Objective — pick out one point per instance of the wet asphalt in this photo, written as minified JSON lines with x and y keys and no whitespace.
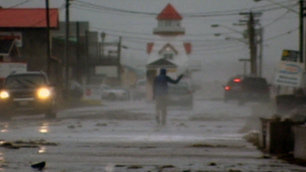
{"x":123,"y":136}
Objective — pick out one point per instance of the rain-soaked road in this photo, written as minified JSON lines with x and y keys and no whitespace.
{"x":122,"y":136}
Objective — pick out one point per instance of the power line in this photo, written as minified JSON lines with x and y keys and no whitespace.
{"x":19,"y":4}
{"x":276,"y":20}
{"x":283,"y":34}
{"x":99,"y":8}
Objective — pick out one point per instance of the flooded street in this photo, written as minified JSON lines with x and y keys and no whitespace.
{"x":123,"y":136}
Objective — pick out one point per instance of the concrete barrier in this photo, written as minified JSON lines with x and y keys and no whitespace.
{"x":277,"y":136}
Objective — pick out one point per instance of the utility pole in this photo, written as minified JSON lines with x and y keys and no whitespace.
{"x":66,"y":61}
{"x":119,"y":59}
{"x":252,"y":44}
{"x":260,"y":42}
{"x":301,"y":29}
{"x":253,"y":41}
{"x":48,"y":39}
{"x":102,"y":44}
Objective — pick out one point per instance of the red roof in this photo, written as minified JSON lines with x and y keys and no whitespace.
{"x":150,"y":47}
{"x":188,"y":47}
{"x":27,"y":18}
{"x":169,"y":13}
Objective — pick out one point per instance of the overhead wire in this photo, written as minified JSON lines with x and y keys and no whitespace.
{"x":18,"y":4}
{"x":281,"y":35}
{"x":100,"y":8}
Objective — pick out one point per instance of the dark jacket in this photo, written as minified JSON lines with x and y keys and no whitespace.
{"x":160,"y":85}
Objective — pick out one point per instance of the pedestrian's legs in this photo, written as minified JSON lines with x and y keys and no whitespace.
{"x":157,"y":110}
{"x":164,"y":110}
{"x":164,"y":115}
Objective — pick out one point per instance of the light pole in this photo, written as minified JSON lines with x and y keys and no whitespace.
{"x":48,"y":38}
{"x":67,"y":54}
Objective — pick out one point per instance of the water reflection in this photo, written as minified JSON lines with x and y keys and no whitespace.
{"x":4,"y":128}
{"x":1,"y":161}
{"x":44,"y":128}
{"x":42,"y":149}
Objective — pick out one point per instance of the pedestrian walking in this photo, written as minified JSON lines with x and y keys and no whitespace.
{"x":160,"y":93}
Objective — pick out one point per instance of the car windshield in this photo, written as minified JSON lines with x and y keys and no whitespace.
{"x":25,"y":81}
{"x":255,"y":83}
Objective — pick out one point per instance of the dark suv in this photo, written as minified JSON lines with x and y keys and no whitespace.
{"x":27,"y":93}
{"x":247,"y":88}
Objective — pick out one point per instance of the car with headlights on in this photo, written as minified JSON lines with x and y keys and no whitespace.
{"x":27,"y":93}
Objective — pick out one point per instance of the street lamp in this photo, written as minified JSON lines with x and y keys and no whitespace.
{"x":237,"y":39}
{"x":226,"y":27}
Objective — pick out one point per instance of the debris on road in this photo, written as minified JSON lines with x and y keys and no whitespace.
{"x":39,"y":166}
{"x":26,"y":144}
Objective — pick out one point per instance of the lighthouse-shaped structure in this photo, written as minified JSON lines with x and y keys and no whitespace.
{"x":170,"y":51}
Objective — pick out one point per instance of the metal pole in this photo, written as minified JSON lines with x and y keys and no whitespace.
{"x":78,"y":58}
{"x":102,"y":44}
{"x":244,"y":68}
{"x":119,"y":59}
{"x":301,"y":32}
{"x":48,"y":38}
{"x":260,"y":51}
{"x":67,"y":47}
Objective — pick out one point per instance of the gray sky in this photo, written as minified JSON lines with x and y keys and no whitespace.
{"x":219,"y":58}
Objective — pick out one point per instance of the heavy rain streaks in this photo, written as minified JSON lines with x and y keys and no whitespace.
{"x":82,"y":83}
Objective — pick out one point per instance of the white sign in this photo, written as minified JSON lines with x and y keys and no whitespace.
{"x":92,"y":92}
{"x":8,"y":68}
{"x":17,"y":36}
{"x":289,"y":74}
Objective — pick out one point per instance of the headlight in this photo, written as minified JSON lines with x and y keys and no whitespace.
{"x":4,"y":95}
{"x":43,"y":93}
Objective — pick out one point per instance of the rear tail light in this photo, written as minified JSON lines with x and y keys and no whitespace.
{"x":227,"y":88}
{"x":237,"y":80}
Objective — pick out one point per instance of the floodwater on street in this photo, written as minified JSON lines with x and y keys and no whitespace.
{"x":123,"y":136}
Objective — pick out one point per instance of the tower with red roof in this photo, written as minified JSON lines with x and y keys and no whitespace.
{"x":170,"y":51}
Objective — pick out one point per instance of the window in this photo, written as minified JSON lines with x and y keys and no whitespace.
{"x":168,"y":56}
{"x":168,"y":23}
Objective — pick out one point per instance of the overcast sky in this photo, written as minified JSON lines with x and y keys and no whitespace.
{"x":134,"y":20}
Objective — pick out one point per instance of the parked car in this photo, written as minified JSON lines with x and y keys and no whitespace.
{"x":27,"y":93}
{"x":114,"y":93}
{"x":75,"y":89}
{"x":180,"y":94}
{"x":247,"y":88}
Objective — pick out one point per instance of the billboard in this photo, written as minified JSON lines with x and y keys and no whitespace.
{"x":289,"y":74}
{"x":290,"y":56}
